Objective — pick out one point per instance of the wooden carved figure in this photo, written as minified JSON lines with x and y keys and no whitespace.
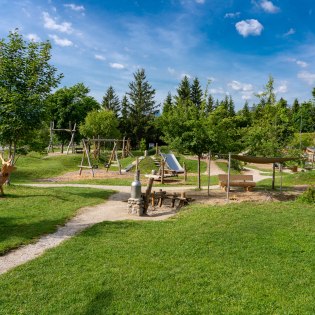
{"x":6,"y":170}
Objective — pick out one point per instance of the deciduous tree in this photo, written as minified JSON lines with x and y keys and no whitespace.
{"x":26,"y":79}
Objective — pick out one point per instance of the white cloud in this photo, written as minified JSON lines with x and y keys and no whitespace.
{"x":291,"y":31}
{"x":74,"y":7}
{"x":99,"y":57}
{"x":63,"y":42}
{"x":118,"y":66}
{"x":249,"y":27}
{"x":232,"y":15}
{"x":171,"y":70}
{"x":33,"y":37}
{"x":307,"y":77}
{"x":217,"y":91}
{"x":51,"y":24}
{"x":238,"y":86}
{"x":301,"y":63}
{"x":283,"y":88}
{"x":269,"y":7}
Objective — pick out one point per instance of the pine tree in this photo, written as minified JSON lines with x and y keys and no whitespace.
{"x":209,"y":105}
{"x":124,"y":119}
{"x":295,"y":106}
{"x":231,"y":108}
{"x":111,"y":101}
{"x":168,"y":103}
{"x":196,"y":94}
{"x":142,"y":107}
{"x":184,"y":90}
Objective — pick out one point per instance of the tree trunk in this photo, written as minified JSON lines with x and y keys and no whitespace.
{"x":273,"y":175}
{"x":62,"y":144}
{"x":199,"y":179}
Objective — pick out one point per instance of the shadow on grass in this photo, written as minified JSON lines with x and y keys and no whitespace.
{"x":99,"y":304}
{"x":23,"y":232}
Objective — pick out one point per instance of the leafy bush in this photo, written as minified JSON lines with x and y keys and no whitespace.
{"x":308,"y":196}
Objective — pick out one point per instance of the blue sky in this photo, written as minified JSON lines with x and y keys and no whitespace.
{"x":236,"y":44}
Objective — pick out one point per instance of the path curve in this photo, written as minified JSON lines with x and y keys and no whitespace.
{"x":114,"y":209}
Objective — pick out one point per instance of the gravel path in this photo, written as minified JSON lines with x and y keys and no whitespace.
{"x":114,"y":209}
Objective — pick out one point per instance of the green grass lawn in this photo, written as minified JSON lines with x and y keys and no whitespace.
{"x":34,"y":167}
{"x":289,"y":180}
{"x":192,"y":165}
{"x":27,"y":213}
{"x":235,"y":259}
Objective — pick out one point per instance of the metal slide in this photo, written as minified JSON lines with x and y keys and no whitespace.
{"x":172,"y":163}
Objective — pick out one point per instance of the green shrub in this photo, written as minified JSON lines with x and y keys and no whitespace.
{"x":308,"y":196}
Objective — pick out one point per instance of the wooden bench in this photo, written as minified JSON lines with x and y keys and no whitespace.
{"x":78,"y":150}
{"x":245,"y":181}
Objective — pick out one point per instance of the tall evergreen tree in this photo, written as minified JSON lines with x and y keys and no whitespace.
{"x":295,"y":106}
{"x":210,"y":105}
{"x":231,"y":108}
{"x":142,"y":107}
{"x":196,"y":94}
{"x":124,"y":125}
{"x":111,"y":101}
{"x":183,"y":90}
{"x":168,"y":103}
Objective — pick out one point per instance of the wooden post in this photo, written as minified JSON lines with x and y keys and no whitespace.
{"x":209,"y":161}
{"x":161,"y":198}
{"x":280,"y":177}
{"x":123,"y":149}
{"x":147,"y":194}
{"x":174,"y":199}
{"x":71,"y":143}
{"x":51,"y":141}
{"x":273,"y":175}
{"x":153,"y":199}
{"x":199,"y":183}
{"x":228,"y":182}
{"x":162,"y":171}
{"x":185,"y":172}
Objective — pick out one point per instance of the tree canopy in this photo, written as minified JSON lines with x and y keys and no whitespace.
{"x":26,"y":79}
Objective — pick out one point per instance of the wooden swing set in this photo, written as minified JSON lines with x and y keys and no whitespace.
{"x":71,"y":130}
{"x":86,"y":161}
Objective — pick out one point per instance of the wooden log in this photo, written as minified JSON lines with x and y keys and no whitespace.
{"x":147,"y":194}
{"x":153,"y":199}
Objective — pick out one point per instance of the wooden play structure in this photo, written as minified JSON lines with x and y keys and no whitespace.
{"x":71,"y":130}
{"x":6,"y":170}
{"x":168,"y":167}
{"x":90,"y":158}
{"x":158,"y":198}
{"x":245,"y":181}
